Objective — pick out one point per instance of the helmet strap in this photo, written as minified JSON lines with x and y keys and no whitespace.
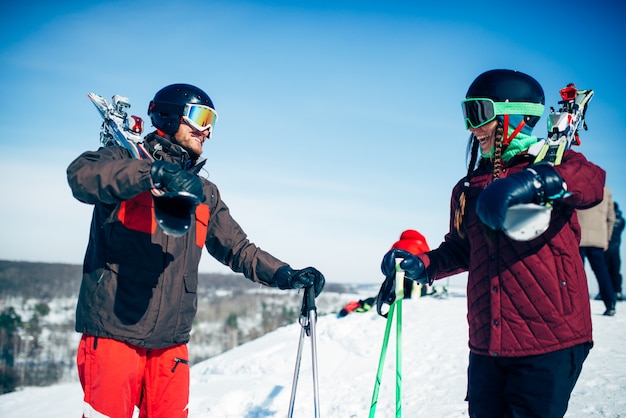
{"x":505,"y":130}
{"x":506,"y":138}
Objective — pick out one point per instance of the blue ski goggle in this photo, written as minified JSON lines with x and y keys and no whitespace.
{"x":199,"y":117}
{"x":479,"y":112}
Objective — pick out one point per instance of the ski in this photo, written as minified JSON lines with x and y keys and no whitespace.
{"x":117,"y":127}
{"x":564,"y":124}
{"x":525,"y":222}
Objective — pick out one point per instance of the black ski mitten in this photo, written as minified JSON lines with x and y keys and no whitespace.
{"x":412,"y":265}
{"x":173,"y":179}
{"x":537,"y":184}
{"x":288,"y":278}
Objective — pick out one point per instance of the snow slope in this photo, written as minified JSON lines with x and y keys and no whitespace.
{"x":254,"y":380}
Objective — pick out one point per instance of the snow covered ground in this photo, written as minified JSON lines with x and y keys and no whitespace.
{"x":254,"y":380}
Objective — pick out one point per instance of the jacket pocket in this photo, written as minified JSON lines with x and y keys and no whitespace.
{"x":191,"y":283}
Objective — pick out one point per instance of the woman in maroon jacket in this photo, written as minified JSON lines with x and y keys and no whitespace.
{"x":528,"y":303}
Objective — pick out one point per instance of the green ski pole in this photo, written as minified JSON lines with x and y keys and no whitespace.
{"x":399,"y":295}
{"x":381,"y":361}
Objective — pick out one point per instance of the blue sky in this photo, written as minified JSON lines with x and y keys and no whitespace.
{"x":339,"y":122}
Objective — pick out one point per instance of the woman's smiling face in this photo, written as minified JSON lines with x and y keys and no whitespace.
{"x":486,"y":136}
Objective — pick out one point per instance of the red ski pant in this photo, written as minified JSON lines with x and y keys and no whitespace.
{"x":117,"y":377}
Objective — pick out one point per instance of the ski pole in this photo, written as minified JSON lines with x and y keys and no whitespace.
{"x":381,"y":361}
{"x":296,"y":374}
{"x":399,"y":295}
{"x":312,"y":315}
{"x":308,"y":319}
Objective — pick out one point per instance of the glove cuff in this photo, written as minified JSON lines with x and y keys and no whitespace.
{"x":282,"y":277}
{"x":552,"y":185}
{"x":158,"y":171}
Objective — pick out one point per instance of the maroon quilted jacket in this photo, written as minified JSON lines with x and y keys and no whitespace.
{"x":524,"y":298}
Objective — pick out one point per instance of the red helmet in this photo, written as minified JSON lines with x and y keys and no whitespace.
{"x":412,"y":241}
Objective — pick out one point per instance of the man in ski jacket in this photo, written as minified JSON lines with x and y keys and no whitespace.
{"x":138,"y":296}
{"x":528,"y":304}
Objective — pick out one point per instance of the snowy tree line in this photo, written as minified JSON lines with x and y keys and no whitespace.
{"x":37,"y":303}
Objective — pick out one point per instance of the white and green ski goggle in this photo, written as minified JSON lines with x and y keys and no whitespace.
{"x":478,"y":112}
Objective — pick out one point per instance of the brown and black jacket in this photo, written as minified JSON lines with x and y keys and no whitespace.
{"x":139,"y":285}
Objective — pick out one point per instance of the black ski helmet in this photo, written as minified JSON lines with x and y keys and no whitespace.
{"x":508,"y":86}
{"x":166,"y":108}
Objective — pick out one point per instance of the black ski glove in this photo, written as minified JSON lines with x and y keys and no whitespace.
{"x":287,"y":278}
{"x":537,"y":184}
{"x":413,"y":267}
{"x":173,"y":179}
{"x":414,"y":270}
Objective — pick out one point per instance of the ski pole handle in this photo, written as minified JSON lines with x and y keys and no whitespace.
{"x":399,"y":280}
{"x":309,"y":300}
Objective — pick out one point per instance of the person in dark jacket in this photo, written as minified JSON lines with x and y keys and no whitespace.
{"x":596,"y":225}
{"x":138,"y":297}
{"x":612,"y":255}
{"x":528,"y":304}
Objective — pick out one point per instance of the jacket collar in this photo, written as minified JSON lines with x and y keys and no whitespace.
{"x":161,"y":148}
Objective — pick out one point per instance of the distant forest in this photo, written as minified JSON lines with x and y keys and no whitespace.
{"x":37,"y":351}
